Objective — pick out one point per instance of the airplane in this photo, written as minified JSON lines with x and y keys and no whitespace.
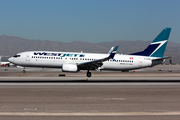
{"x":74,"y":61}
{"x":6,"y":64}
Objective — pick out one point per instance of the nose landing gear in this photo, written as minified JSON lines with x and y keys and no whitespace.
{"x":24,"y":71}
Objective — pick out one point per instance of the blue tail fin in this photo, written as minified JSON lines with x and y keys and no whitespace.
{"x":157,"y":46}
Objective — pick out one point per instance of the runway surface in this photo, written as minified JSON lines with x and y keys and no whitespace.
{"x":90,"y":102}
{"x":127,"y":96}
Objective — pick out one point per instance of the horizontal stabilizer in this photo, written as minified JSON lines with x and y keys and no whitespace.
{"x":166,"y":57}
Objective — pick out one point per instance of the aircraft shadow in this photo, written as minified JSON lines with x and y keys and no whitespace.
{"x":88,"y":81}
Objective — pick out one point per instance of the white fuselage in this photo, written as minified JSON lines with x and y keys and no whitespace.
{"x":50,"y":59}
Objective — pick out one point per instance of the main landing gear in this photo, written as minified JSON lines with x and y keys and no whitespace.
{"x":88,"y":74}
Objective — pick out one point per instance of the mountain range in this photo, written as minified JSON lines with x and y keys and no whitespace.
{"x":10,"y":45}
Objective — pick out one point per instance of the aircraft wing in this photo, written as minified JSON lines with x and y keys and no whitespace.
{"x":98,"y":63}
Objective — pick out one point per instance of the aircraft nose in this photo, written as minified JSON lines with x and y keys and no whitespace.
{"x":11,"y":59}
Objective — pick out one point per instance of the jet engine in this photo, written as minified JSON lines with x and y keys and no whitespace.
{"x":70,"y":68}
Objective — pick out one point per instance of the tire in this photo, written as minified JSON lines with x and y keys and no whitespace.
{"x":23,"y":71}
{"x":88,"y":74}
{"x":7,"y":65}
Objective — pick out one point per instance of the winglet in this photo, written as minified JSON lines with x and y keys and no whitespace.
{"x":110,"y":51}
{"x":112,"y":54}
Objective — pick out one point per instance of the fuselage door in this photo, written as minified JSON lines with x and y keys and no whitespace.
{"x":140,"y":61}
{"x":27,"y":57}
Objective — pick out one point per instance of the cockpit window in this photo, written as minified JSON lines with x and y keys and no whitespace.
{"x":16,"y":56}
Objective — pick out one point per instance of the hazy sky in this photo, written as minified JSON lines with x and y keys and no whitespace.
{"x":89,"y":20}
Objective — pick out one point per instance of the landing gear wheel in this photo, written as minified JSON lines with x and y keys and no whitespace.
{"x":7,"y":65}
{"x":88,"y":74}
{"x":23,"y":71}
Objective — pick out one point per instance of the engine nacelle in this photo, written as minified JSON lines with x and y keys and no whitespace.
{"x":70,"y":68}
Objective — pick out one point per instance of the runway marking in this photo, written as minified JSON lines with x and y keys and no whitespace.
{"x":30,"y":108}
{"x":114,"y":99}
{"x":90,"y":114}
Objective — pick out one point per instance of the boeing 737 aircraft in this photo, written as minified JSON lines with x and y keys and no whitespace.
{"x":74,"y":62}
